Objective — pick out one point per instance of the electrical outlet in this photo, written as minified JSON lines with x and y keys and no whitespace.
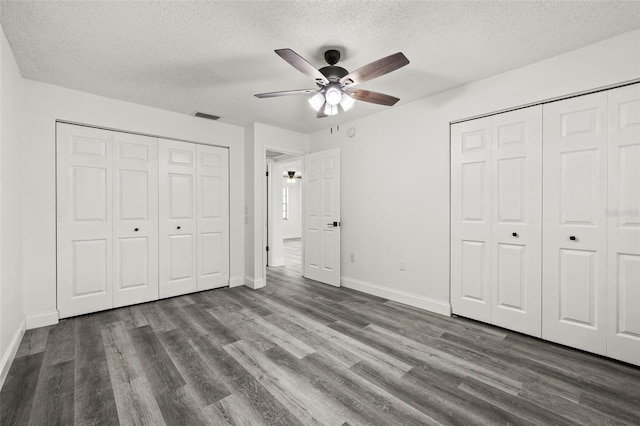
{"x":402,"y":264}
{"x":352,"y":257}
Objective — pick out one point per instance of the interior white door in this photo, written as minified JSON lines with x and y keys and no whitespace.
{"x":212,"y":216}
{"x":322,"y":217}
{"x":574,"y":222}
{"x":471,"y":219}
{"x":84,"y":219}
{"x":516,"y":193}
{"x":177,"y":218}
{"x":623,"y":337}
{"x":135,"y":221}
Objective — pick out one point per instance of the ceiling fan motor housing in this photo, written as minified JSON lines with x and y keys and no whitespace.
{"x":333,"y":72}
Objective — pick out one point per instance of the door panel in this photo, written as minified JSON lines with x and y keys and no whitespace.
{"x":575,"y":232}
{"x":177,"y":221}
{"x":322,"y":210}
{"x":516,"y":159}
{"x":623,"y":211}
{"x":471,"y":219}
{"x":90,"y":262}
{"x":135,"y":224}
{"x":84,"y":220}
{"x":212,"y":217}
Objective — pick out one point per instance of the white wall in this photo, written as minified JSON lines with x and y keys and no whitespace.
{"x":276,"y":139}
{"x":11,"y":114}
{"x":395,"y":170}
{"x":45,"y":104}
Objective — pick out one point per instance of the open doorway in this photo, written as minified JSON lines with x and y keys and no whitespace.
{"x":284,"y":195}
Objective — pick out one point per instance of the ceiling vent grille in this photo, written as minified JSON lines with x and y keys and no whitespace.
{"x":204,"y":115}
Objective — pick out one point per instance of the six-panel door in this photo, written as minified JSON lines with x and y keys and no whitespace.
{"x":516,"y":194}
{"x":84,"y":219}
{"x":177,"y":217}
{"x":623,"y":215}
{"x":575,"y":225}
{"x":322,"y":217}
{"x":135,"y":219}
{"x":471,"y":219}
{"x":212,"y":216}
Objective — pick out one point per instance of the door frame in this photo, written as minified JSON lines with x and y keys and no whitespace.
{"x":264,"y":188}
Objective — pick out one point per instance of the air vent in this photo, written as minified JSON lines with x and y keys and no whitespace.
{"x":204,"y":115}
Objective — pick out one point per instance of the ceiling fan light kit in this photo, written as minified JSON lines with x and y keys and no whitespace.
{"x":335,"y":83}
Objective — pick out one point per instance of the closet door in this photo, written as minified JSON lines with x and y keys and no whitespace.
{"x":516,"y":193}
{"x":177,"y":216}
{"x":212,"y":216}
{"x":623,"y":337}
{"x":471,"y":219}
{"x":574,"y":222}
{"x":84,"y":219}
{"x":135,"y":222}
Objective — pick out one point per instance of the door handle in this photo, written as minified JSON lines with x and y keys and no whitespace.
{"x":136,"y":230}
{"x":515,"y":234}
{"x":334,"y":224}
{"x":573,"y":238}
{"x":178,"y":227}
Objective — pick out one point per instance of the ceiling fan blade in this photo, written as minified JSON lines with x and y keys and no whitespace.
{"x":321,"y":113}
{"x":372,"y":97}
{"x":286,"y":93}
{"x":375,"y":69}
{"x":301,"y":64}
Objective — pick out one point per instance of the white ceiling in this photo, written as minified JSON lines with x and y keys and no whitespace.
{"x":214,"y":56}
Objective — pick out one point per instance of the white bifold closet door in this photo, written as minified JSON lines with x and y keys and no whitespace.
{"x":135,"y":219}
{"x":623,"y":317}
{"x":194,"y":217}
{"x":212,"y":217}
{"x":471,"y":219}
{"x":106,"y":226}
{"x":496,"y":218}
{"x":575,"y":222}
{"x":517,"y":219}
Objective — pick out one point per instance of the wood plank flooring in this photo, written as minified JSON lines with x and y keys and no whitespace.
{"x":298,"y":353}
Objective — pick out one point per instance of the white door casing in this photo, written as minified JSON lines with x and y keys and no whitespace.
{"x":574,"y":222}
{"x":623,"y":211}
{"x":135,"y":218}
{"x":516,"y":193}
{"x":471,"y":219}
{"x":84,"y":219}
{"x":177,"y":218}
{"x":212,"y":217}
{"x":322,"y":217}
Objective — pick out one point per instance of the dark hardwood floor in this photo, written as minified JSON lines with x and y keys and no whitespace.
{"x":298,"y":352}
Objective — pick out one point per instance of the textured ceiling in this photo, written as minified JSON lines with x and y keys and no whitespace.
{"x":185,"y":56}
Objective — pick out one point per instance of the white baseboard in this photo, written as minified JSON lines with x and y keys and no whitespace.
{"x":42,"y":319}
{"x":10,"y":353}
{"x":277,"y":262}
{"x":253,"y":283}
{"x":236,"y":281}
{"x":431,"y":305}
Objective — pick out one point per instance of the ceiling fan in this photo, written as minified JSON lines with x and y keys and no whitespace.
{"x":335,"y":84}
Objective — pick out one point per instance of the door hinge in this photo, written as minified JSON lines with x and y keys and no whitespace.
{"x":267,"y":174}
{"x":267,"y":248}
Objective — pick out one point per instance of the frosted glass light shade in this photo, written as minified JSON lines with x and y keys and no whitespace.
{"x":330,"y":109}
{"x":316,"y":101}
{"x":347,"y":102}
